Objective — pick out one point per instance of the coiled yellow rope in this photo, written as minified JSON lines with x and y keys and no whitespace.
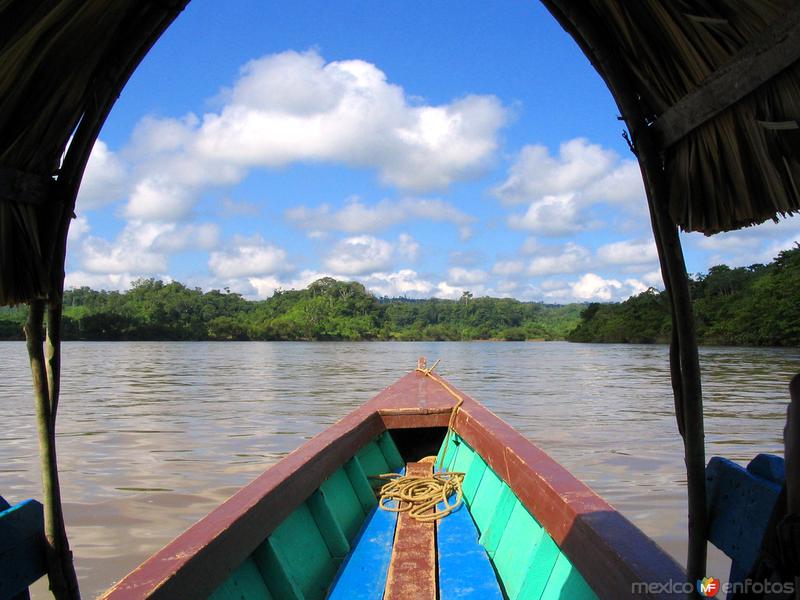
{"x":419,"y":496}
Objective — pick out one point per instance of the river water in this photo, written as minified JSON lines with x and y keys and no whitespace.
{"x":153,"y":435}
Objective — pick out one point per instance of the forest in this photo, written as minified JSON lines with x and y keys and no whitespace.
{"x":326,"y":310}
{"x":757,"y":305}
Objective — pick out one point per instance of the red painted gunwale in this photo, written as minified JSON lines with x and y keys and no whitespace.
{"x":608,"y":550}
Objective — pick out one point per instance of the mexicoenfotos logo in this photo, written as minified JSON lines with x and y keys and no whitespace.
{"x":708,"y":586}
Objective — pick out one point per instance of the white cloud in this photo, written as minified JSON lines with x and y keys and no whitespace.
{"x":552,"y":215}
{"x":569,"y":259}
{"x":104,"y":179}
{"x":461,"y":276}
{"x":594,"y":287}
{"x":112,"y":281}
{"x":293,"y":107}
{"x":560,"y":190}
{"x":247,"y":257}
{"x":581,"y":168}
{"x":159,"y":199}
{"x":590,"y":287}
{"x":265,"y":286}
{"x":405,"y":282}
{"x":628,"y":252}
{"x":744,"y":247}
{"x":143,"y":248}
{"x":623,"y":184}
{"x":130,"y":253}
{"x":508,"y":267}
{"x":357,"y":217}
{"x":364,"y":254}
{"x":448,"y":292}
{"x":174,"y":238}
{"x":359,"y":255}
{"x":653,"y":279}
{"x":78,"y":229}
{"x":407,"y":247}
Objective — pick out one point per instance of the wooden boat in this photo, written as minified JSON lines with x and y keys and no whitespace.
{"x":309,"y":527}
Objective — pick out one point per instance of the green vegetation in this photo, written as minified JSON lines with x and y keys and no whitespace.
{"x":757,"y":305}
{"x":327,"y":310}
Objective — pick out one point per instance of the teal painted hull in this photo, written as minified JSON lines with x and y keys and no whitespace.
{"x":301,"y":558}
{"x":308,"y":527}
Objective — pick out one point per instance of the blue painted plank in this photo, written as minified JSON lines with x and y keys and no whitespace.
{"x":464,"y":567}
{"x":363,"y":574}
{"x":21,"y":547}
{"x":3,"y":504}
{"x":739,"y":506}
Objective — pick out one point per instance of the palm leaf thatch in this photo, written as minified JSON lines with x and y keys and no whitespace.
{"x":48,"y":60}
{"x":62,"y":64}
{"x":741,"y":167}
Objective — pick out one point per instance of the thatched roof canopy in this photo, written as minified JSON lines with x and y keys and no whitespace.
{"x":716,"y":81}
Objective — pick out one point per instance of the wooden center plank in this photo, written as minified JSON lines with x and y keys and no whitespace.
{"x":412,"y":570}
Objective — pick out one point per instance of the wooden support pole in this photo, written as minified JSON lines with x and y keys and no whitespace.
{"x":45,"y":369}
{"x":146,"y":24}
{"x":684,"y":358}
{"x":686,"y":382}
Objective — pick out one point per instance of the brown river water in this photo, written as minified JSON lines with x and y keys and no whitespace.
{"x":153,"y":435}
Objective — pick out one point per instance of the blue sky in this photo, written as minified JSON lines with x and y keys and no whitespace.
{"x":422,"y":148}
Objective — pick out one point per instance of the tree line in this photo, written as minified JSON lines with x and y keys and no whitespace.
{"x":757,"y":305}
{"x":326,"y":310}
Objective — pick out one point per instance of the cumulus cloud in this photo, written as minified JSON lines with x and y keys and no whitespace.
{"x":591,"y":287}
{"x":264,"y":286}
{"x":104,"y":179}
{"x":364,"y":254}
{"x":402,"y":283}
{"x":551,"y":216}
{"x":581,"y":168}
{"x":78,"y":229}
{"x":560,"y":190}
{"x":357,"y":217}
{"x":462,"y":276}
{"x":628,"y":252}
{"x":569,"y":259}
{"x":143,"y":248}
{"x":447,"y":291}
{"x":742,"y":248}
{"x":293,"y":107}
{"x":407,"y":247}
{"x":247,"y":257}
{"x":97,"y":281}
{"x":508,"y":267}
{"x":359,"y":255}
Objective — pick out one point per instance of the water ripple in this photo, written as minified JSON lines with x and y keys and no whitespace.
{"x":154,"y":435}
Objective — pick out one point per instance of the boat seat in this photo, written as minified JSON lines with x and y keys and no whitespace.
{"x":740,"y":502}
{"x":22,"y":547}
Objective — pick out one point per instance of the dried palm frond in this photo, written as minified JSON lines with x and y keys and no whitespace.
{"x":737,"y":169}
{"x":47,"y":62}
